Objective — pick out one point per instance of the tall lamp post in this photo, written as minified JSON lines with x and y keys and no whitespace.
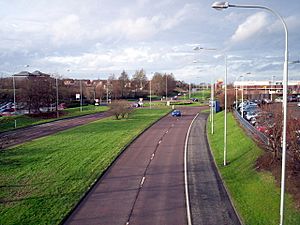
{"x":272,"y":87}
{"x":166,"y":87}
{"x":225,"y":114}
{"x":150,"y":92}
{"x":242,"y":86}
{"x":211,"y":91}
{"x":80,"y":95}
{"x":225,"y":5}
{"x":236,"y":92}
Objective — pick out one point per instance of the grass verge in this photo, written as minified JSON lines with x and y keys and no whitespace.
{"x":8,"y":123}
{"x":254,"y":194}
{"x":42,"y":180}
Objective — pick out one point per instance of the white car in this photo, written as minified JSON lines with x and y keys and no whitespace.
{"x":298,"y":104}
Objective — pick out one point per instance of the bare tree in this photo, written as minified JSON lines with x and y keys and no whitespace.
{"x":124,"y":84}
{"x":120,"y":108}
{"x":270,"y":119}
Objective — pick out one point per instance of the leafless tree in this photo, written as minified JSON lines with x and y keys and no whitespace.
{"x":120,"y":108}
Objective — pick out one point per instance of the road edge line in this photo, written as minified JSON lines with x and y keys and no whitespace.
{"x":187,"y":199}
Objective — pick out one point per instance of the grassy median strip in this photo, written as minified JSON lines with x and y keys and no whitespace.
{"x":255,"y":194}
{"x":8,"y":122}
{"x":42,"y":180}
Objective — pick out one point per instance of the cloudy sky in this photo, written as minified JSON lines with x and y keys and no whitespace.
{"x":95,"y":38}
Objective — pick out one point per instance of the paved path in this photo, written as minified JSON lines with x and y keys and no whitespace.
{"x":209,"y":202}
{"x":146,"y":183}
{"x":21,"y":135}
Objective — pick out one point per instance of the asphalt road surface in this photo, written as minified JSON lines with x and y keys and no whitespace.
{"x":21,"y":135}
{"x":145,"y":185}
{"x":209,"y":201}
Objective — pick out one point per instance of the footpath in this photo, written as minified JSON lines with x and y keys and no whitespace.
{"x":209,"y":201}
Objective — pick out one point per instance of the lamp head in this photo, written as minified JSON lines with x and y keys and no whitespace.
{"x":197,"y":48}
{"x":220,"y":5}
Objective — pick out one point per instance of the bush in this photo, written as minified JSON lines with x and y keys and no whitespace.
{"x":120,"y":108}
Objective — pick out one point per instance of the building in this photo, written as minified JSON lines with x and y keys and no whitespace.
{"x":267,"y":88}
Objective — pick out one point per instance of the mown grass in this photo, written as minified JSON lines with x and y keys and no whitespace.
{"x":8,"y":123}
{"x":42,"y":180}
{"x":255,"y":194}
{"x":202,"y":95}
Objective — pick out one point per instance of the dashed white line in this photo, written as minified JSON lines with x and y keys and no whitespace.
{"x":152,"y":156}
{"x":142,"y":182}
{"x":159,"y":142}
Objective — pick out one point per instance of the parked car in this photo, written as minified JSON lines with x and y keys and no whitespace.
{"x":279,"y":99}
{"x":292,"y":98}
{"x":176,"y":113}
{"x":251,"y":114}
{"x":266,"y":101}
{"x":298,"y":104}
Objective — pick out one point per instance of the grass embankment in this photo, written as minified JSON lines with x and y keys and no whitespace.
{"x":8,"y":122}
{"x":255,"y":194}
{"x":42,"y":180}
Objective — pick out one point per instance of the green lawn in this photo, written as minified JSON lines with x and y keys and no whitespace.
{"x":8,"y":123}
{"x":202,"y":95}
{"x":42,"y":180}
{"x":254,"y":193}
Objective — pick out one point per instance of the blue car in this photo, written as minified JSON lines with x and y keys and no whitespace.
{"x":176,"y":113}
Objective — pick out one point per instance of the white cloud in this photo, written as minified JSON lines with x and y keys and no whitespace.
{"x":250,"y":27}
{"x":67,"y":29}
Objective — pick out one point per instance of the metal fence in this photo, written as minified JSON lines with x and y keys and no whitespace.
{"x":251,"y":129}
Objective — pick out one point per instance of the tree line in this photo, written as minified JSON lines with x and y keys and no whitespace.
{"x":36,"y":91}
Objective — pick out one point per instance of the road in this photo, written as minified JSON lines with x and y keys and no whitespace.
{"x":209,"y":200}
{"x":145,"y":185}
{"x":18,"y":136}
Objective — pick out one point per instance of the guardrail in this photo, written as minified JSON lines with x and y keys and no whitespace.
{"x":257,"y":134}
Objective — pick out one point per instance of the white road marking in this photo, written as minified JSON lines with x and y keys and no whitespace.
{"x":187,"y":199}
{"x":152,"y":156}
{"x":159,"y":142}
{"x":142,"y":182}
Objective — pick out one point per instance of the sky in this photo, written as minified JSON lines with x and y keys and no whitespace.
{"x":93,"y":39}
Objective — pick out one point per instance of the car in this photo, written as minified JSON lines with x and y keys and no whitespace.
{"x":279,"y":99}
{"x":266,"y":101}
{"x":251,"y":114}
{"x":176,"y":113}
{"x":298,"y":104}
{"x":292,"y":98}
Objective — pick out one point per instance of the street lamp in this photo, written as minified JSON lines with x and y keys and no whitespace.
{"x":242,"y":86}
{"x":236,"y":93}
{"x":166,"y":87}
{"x":225,"y":113}
{"x":80,"y":95}
{"x":151,"y":92}
{"x":272,"y":88}
{"x":225,"y":5}
{"x":211,"y":90}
